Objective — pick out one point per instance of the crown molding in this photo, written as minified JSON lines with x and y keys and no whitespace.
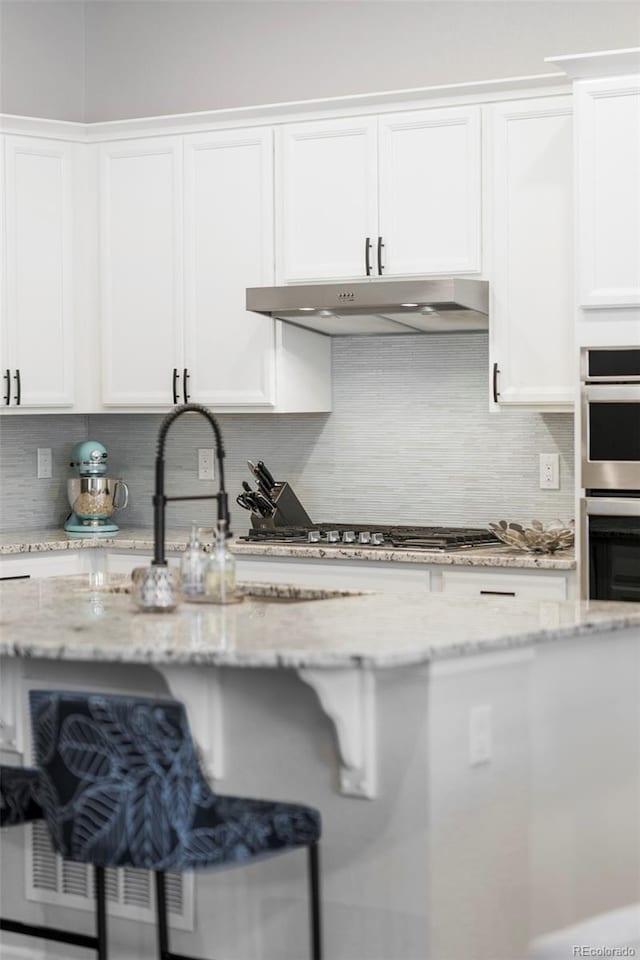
{"x":483,"y":91}
{"x":603,"y":63}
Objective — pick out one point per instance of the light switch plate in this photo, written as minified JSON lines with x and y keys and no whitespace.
{"x":45,"y":463}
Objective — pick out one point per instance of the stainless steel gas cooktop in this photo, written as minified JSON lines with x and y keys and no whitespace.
{"x":375,"y":535}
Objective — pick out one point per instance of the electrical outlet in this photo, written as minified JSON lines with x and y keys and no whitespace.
{"x":480,"y":735}
{"x":45,"y":463}
{"x":205,"y":464}
{"x":549,"y":471}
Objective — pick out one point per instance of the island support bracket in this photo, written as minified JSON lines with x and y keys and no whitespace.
{"x":201,"y":690}
{"x":347,"y":696}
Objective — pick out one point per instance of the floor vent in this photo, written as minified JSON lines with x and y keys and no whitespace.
{"x":62,"y":883}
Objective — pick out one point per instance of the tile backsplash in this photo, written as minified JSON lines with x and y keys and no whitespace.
{"x":25,"y":501}
{"x":410,"y":440}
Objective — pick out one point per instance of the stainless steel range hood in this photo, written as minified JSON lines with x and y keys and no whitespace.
{"x":438,"y":305}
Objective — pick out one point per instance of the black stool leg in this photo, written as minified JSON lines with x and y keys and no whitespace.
{"x":161,"y":917}
{"x":314,"y":902}
{"x":101,"y":913}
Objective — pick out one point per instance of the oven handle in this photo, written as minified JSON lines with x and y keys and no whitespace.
{"x":613,"y":506}
{"x":612,"y":392}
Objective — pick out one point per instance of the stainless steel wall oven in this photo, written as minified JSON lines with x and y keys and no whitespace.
{"x":611,"y":419}
{"x":611,"y":548}
{"x":610,"y":473}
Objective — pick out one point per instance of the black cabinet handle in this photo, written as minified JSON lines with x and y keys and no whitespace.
{"x":185,"y":381}
{"x":367,"y":255}
{"x":380,"y":266}
{"x":7,"y":396}
{"x":497,"y":593}
{"x":18,"y":388}
{"x":496,"y":393}
{"x":175,"y":384}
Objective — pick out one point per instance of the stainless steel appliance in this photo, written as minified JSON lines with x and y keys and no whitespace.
{"x":610,"y":553}
{"x":375,"y":535}
{"x":436,"y":305}
{"x":610,"y":473}
{"x":284,"y":520}
{"x":610,"y":418}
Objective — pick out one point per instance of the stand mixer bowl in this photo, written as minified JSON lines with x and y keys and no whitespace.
{"x":96,"y":498}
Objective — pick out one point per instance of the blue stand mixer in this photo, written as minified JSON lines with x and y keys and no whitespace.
{"x":93,"y":497}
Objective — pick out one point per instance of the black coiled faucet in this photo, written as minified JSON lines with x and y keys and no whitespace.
{"x":160,"y":500}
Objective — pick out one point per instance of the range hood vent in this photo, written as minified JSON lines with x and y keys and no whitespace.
{"x":378,"y":308}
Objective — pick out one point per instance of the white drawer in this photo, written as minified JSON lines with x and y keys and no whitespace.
{"x":336,"y":574}
{"x":54,"y":564}
{"x":532,"y":586}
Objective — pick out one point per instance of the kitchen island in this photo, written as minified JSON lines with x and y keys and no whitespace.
{"x":475,"y":761}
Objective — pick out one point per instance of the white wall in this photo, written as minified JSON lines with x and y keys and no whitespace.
{"x":147,"y":58}
{"x":42,"y":48}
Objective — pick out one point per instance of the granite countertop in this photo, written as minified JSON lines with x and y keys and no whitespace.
{"x":64,"y":618}
{"x":136,"y":538}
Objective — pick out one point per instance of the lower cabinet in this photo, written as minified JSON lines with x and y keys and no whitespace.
{"x":374,"y":575}
{"x":350,"y":575}
{"x":523,"y":585}
{"x":401,"y":578}
{"x":28,"y":566}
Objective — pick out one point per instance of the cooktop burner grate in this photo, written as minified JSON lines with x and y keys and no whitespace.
{"x":375,"y":535}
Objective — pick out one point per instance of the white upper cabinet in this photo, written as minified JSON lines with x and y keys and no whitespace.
{"x":340,"y":215}
{"x":531,"y":312}
{"x":141,"y":271}
{"x":326,"y":199}
{"x":186,"y":225}
{"x":608,"y":190}
{"x":429,"y":191}
{"x":229,"y":353}
{"x":37,"y":332}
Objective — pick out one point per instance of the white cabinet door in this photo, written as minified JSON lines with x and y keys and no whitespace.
{"x":38,"y":323}
{"x":326,"y":199}
{"x":430,"y":191}
{"x":5,"y":371}
{"x":230,"y":353}
{"x":330,"y":574}
{"x":141,"y":267}
{"x":65,"y":563}
{"x":531,"y":313}
{"x":608,"y":167}
{"x":479,"y":583}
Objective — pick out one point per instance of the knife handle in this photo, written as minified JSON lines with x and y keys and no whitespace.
{"x":266,"y":473}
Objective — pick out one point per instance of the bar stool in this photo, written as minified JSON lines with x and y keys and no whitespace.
{"x":20,"y":802}
{"x":121,"y":786}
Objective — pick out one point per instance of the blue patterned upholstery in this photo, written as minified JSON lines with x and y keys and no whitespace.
{"x":121,"y":786}
{"x":19,"y":795}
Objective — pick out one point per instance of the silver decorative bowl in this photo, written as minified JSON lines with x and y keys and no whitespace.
{"x":534,"y":536}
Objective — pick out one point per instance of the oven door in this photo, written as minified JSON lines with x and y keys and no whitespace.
{"x":611,"y":548}
{"x":611,"y":436}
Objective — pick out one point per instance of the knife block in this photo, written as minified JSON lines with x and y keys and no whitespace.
{"x":289,"y":511}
